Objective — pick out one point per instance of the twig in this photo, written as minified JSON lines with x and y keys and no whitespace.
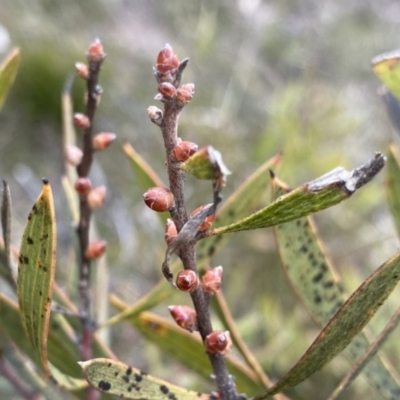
{"x":95,"y":58}
{"x":169,"y":129}
{"x":13,"y":377}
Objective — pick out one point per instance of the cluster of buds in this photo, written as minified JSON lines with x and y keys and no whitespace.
{"x":168,"y":71}
{"x":74,"y":156}
{"x":218,"y":342}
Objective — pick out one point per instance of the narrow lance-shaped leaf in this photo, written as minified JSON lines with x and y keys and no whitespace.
{"x":119,"y":379}
{"x":314,"y":280}
{"x":392,"y":183}
{"x":324,"y":192}
{"x":8,"y":72}
{"x":387,"y":67}
{"x":36,"y":271}
{"x":190,"y":351}
{"x":347,"y":322}
{"x":5,"y":267}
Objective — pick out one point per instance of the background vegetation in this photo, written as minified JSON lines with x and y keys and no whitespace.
{"x":282,"y":76}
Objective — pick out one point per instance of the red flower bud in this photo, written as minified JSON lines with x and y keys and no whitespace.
{"x":207,"y":221}
{"x":168,"y":90}
{"x":185,"y":93}
{"x":73,"y":155}
{"x":96,"y":197}
{"x":218,"y":342}
{"x":103,"y":140}
{"x":166,"y":60}
{"x":211,"y":280}
{"x":159,"y":199}
{"x":81,"y":121}
{"x":184,"y":316}
{"x":96,"y":52}
{"x":83,"y":186}
{"x":170,"y":232}
{"x":95,"y":250}
{"x":82,"y":70}
{"x":182,"y":151}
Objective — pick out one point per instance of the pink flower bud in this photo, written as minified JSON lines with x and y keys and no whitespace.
{"x":95,"y":250}
{"x":82,"y":70}
{"x":159,"y":199}
{"x":182,"y":151}
{"x":96,"y":52}
{"x":187,"y":280}
{"x":211,"y":280}
{"x":168,"y":90}
{"x":81,"y":121}
{"x":170,"y":232}
{"x":208,"y":221}
{"x":184,"y":316}
{"x":218,"y":342}
{"x":185,"y":93}
{"x":83,"y":186}
{"x":103,"y":140}
{"x":73,"y":155}
{"x":96,"y":197}
{"x":166,"y":60}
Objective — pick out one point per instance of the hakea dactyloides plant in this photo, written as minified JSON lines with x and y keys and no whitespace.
{"x":191,"y":339}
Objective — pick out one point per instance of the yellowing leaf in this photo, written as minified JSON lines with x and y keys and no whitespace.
{"x":8,"y":72}
{"x":119,"y":379}
{"x":36,"y":272}
{"x":387,"y":67}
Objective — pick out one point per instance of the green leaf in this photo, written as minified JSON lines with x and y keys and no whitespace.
{"x":324,"y":192}
{"x":119,"y":379}
{"x":347,"y":322}
{"x":392,"y":183}
{"x":244,"y":199}
{"x":36,"y":271}
{"x":8,"y":72}
{"x":315,"y":282}
{"x":6,"y":226}
{"x":387,"y":67}
{"x":190,"y":351}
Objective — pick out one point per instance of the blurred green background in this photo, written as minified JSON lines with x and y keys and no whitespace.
{"x":279,"y":76}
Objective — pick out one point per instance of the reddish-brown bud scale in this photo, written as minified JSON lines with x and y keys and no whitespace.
{"x":168,"y":90}
{"x":103,"y":140}
{"x":95,"y":250}
{"x":218,"y":342}
{"x":83,"y":186}
{"x":208,"y":221}
{"x":182,"y":151}
{"x":73,"y":155}
{"x":184,"y":316}
{"x":211,"y":280}
{"x":96,"y":52}
{"x":167,"y":60}
{"x":159,"y":199}
{"x":82,"y":70}
{"x":81,"y":121}
{"x":185,"y":93}
{"x":96,"y":197}
{"x":187,"y":280}
{"x":170,"y":232}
